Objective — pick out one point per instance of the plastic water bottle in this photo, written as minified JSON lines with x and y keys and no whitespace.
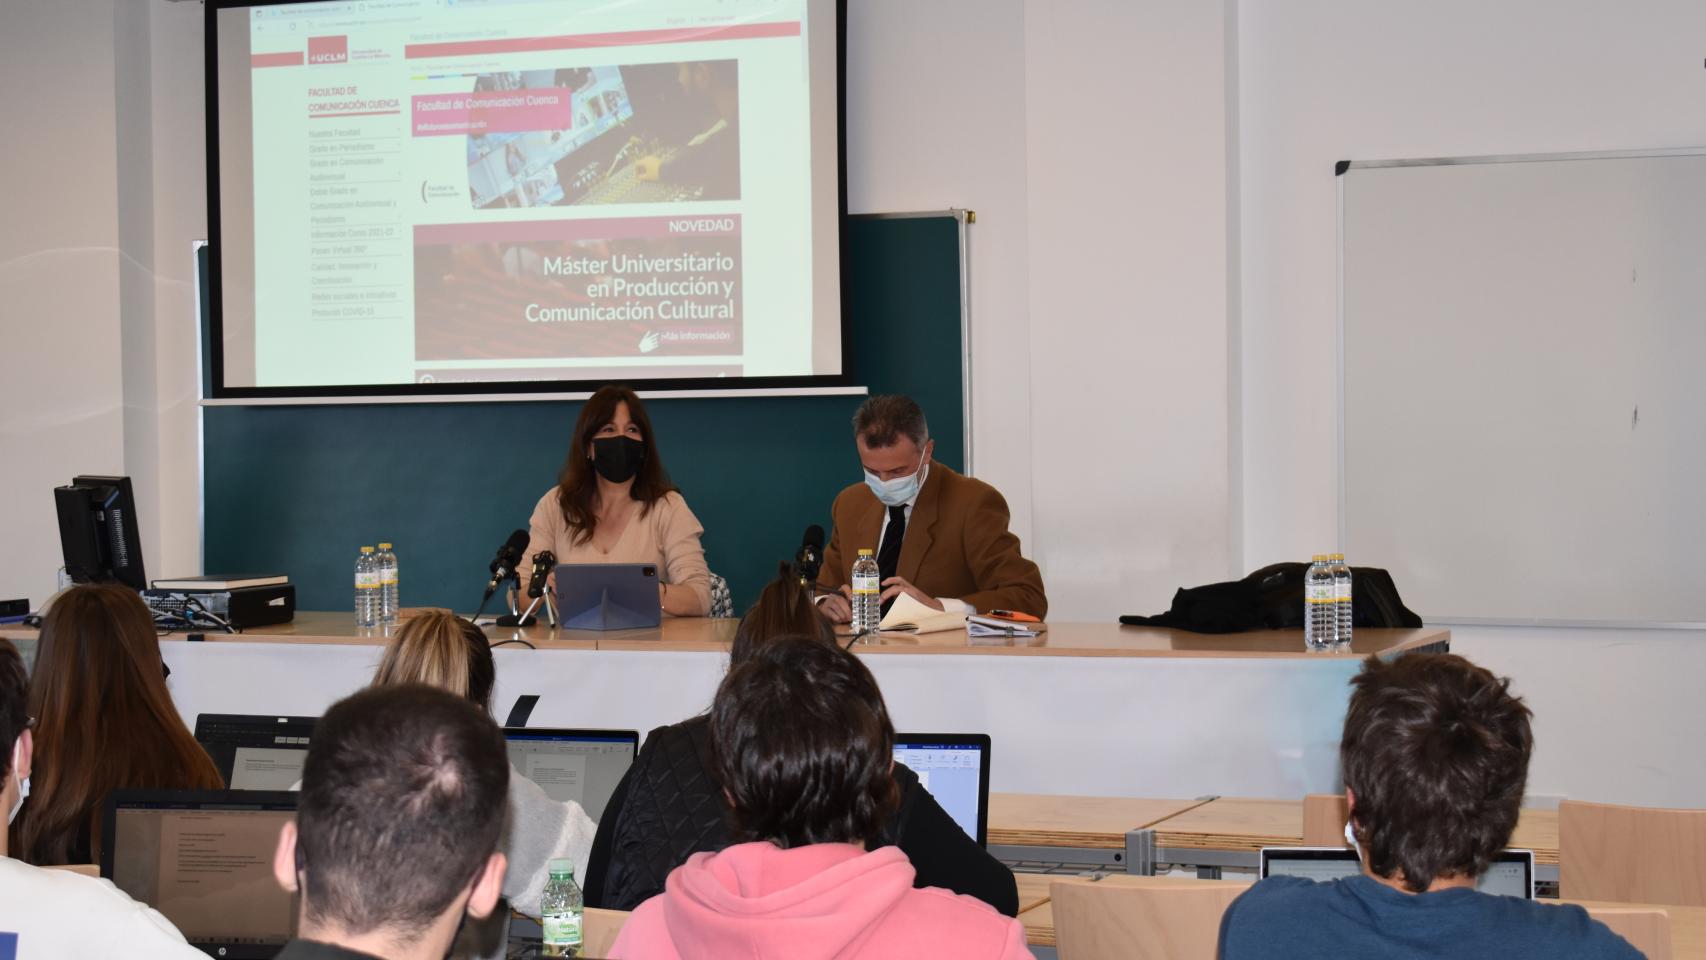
{"x":867,"y":588}
{"x":387,"y":559}
{"x":1341,"y":602}
{"x":1320,"y":607}
{"x":366,"y":588}
{"x":560,"y":911}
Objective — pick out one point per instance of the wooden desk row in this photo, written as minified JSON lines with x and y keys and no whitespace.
{"x":694,"y":634}
{"x":1134,"y":835}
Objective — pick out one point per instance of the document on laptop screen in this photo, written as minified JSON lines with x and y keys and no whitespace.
{"x":267,"y":768}
{"x":215,"y":880}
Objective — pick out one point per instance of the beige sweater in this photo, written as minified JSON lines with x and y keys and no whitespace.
{"x":667,"y":535}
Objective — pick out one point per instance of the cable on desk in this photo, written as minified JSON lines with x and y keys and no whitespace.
{"x":524,"y":643}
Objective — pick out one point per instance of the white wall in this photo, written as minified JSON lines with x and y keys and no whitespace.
{"x":61,"y":391}
{"x":1325,"y":80}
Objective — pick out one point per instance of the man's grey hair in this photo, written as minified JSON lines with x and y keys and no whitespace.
{"x":884,"y":419}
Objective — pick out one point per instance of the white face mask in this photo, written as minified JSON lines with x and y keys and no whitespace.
{"x":23,"y":782}
{"x":1351,"y":838}
{"x":898,"y":490}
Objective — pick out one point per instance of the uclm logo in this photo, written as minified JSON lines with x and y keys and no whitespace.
{"x":328,"y":49}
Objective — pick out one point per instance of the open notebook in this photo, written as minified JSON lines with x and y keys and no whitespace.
{"x":910,"y":616}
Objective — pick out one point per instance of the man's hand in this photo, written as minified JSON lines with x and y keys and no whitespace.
{"x":895,"y":586}
{"x":837,"y":607}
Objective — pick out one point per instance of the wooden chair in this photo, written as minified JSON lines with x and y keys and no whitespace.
{"x":1646,"y":928}
{"x":1631,"y":854}
{"x":1324,"y":816}
{"x":85,"y":869}
{"x":599,"y":929}
{"x":1140,"y":918}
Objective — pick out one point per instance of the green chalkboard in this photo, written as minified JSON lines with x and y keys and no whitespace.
{"x":297,"y":489}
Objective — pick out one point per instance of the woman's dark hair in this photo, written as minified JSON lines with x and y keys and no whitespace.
{"x":577,"y":484}
{"x":1436,"y":753}
{"x":801,"y":741}
{"x":104,"y":722}
{"x":783,"y":609}
{"x":443,"y":650}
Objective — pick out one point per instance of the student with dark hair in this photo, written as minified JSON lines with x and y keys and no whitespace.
{"x":669,"y":806}
{"x":802,"y":746}
{"x":48,"y":914}
{"x":614,"y":503}
{"x":1435,"y":760}
{"x":395,"y":836}
{"x":104,"y":721}
{"x":443,"y":650}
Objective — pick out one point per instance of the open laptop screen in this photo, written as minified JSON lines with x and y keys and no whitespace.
{"x":204,"y":859}
{"x":954,"y":768}
{"x":579,"y":765}
{"x":1511,"y":875}
{"x":256,"y":752}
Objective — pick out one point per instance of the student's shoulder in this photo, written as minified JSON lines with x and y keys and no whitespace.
{"x":1558,"y":929}
{"x":48,"y":894}
{"x":965,"y":925}
{"x":1268,"y":907}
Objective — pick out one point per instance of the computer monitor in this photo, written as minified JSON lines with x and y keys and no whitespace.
{"x":97,"y":531}
{"x":203,"y":858}
{"x":954,"y":768}
{"x":256,"y":752}
{"x":1510,"y":875}
{"x":580,"y":765}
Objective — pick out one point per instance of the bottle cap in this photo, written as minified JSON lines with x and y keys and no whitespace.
{"x":366,"y":549}
{"x":561,"y":868}
{"x":384,"y":546}
{"x":1338,"y":556}
{"x":1317,"y":558}
{"x":867,"y":552}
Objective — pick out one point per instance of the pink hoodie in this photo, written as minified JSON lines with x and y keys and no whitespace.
{"x":756,"y":901}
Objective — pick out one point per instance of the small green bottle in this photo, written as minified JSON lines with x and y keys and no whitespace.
{"x":560,"y":911}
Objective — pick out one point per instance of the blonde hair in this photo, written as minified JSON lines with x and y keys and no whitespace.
{"x":440,"y":650}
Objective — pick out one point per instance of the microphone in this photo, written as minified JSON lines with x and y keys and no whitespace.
{"x":543,"y":562}
{"x":809,"y":559}
{"x":508,"y":558}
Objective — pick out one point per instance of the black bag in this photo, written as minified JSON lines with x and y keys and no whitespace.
{"x":1272,"y":599}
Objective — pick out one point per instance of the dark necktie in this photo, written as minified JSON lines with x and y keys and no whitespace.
{"x":888,"y":555}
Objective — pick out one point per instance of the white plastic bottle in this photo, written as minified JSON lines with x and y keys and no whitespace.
{"x":366,"y":588}
{"x":867,"y":587}
{"x":561,"y":911}
{"x":387,"y":562}
{"x":1341,"y":602}
{"x":1320,"y":616}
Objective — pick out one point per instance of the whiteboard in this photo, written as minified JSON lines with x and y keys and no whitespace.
{"x":1523,"y":385}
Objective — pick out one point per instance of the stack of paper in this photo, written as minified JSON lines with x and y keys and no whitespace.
{"x":910,"y":616}
{"x":981,"y":626}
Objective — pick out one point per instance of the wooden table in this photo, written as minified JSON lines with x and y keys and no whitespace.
{"x":1048,"y":833}
{"x":1073,"y":713}
{"x":1230,"y":831}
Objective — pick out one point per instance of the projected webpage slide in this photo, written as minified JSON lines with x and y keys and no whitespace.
{"x":457,"y":190}
{"x":952,"y":773}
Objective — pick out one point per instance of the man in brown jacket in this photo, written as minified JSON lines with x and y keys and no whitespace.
{"x":940,"y":537}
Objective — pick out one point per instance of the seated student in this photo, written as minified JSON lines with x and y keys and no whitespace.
{"x":48,"y":914}
{"x":395,"y":837}
{"x":445,"y":651}
{"x":104,"y":721}
{"x":802,"y":747}
{"x":668,"y":804}
{"x":1435,"y":760}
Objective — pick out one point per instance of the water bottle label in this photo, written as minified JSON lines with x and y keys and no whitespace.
{"x":562,"y":930}
{"x":866,"y":584}
{"x":366,"y":580}
{"x":1320,"y":593}
{"x":388,"y":578}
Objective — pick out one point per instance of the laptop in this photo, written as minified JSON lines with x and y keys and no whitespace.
{"x":256,"y":752}
{"x":954,"y":767}
{"x":580,"y":765}
{"x":203,"y":858}
{"x":1511,"y":873}
{"x":608,"y":596}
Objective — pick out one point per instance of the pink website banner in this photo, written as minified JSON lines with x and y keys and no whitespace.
{"x":581,"y":41}
{"x":493,"y":111}
{"x":615,"y":228}
{"x":292,"y":59}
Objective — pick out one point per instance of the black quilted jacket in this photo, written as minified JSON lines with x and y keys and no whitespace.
{"x":668,"y":806}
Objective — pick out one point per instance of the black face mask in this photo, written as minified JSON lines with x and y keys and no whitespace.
{"x":617,"y":459}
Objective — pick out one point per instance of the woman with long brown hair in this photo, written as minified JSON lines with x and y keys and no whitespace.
{"x":103,"y":721}
{"x":613,"y":503}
